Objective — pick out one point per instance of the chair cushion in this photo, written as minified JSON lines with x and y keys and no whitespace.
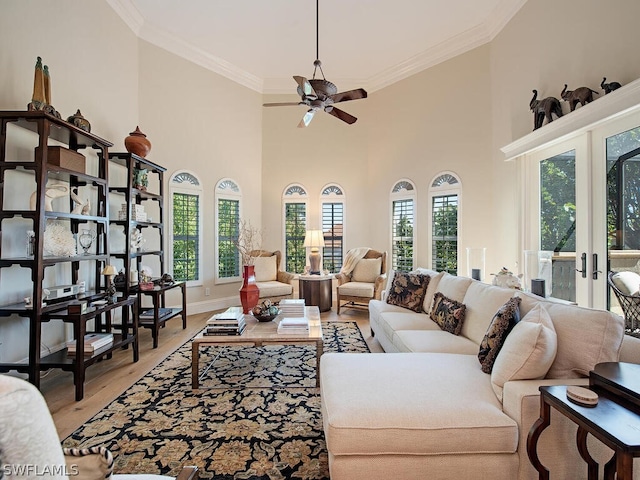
{"x":367,"y":270}
{"x":448,"y":313}
{"x":503,"y":322}
{"x":356,"y":289}
{"x":274,"y":289}
{"x":378,"y":405}
{"x":408,"y":290}
{"x":265,"y":268}
{"x":528,"y":351}
{"x":627,"y":282}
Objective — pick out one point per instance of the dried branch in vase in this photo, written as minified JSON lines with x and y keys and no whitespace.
{"x":249,"y":239}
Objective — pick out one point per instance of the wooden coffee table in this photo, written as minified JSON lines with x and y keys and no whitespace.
{"x":257,"y":334}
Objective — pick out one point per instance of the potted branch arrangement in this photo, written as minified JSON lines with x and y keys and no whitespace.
{"x":249,"y":239}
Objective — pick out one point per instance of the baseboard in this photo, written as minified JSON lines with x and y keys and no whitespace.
{"x":211,"y":305}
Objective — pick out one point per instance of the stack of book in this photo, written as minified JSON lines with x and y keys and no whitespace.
{"x":230,"y":322}
{"x":294,"y":326}
{"x":137,"y":213}
{"x":93,"y":342}
{"x":292,"y":307}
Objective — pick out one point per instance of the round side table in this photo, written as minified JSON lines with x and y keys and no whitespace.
{"x":316,"y":290}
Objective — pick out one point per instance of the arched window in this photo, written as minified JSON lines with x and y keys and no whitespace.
{"x":444,"y":195}
{"x":403,"y":215}
{"x":332,"y":200}
{"x":185,"y":247}
{"x":228,"y":207}
{"x":294,"y":200}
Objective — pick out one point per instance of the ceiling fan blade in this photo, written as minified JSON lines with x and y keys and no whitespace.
{"x":304,"y":88}
{"x":356,"y":94}
{"x":281,"y":104}
{"x":307,"y":118}
{"x":342,"y":115}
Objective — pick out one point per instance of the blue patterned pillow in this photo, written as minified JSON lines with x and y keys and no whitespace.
{"x":408,"y":290}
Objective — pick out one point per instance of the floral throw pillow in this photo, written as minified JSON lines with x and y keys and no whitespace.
{"x":503,"y":322}
{"x":448,"y":313}
{"x":408,"y":290}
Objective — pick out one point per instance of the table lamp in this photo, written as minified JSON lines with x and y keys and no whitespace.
{"x":110,"y":271}
{"x":315,"y":240}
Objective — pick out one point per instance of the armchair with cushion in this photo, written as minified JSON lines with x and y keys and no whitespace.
{"x":30,"y":447}
{"x":626,"y":286}
{"x":361,"y":278}
{"x":274,"y":284}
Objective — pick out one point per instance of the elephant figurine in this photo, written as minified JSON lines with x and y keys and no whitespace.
{"x":581,"y":95}
{"x":544,"y":108}
{"x":609,"y":87}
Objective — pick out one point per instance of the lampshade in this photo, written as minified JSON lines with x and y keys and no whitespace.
{"x":314,"y":239}
{"x":109,"y":270}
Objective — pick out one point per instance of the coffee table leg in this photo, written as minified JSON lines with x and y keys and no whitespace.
{"x":195,"y":361}
{"x":319,"y":351}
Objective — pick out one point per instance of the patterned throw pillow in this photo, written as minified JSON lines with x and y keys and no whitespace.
{"x":448,"y":313}
{"x":503,"y":321}
{"x":408,"y":290}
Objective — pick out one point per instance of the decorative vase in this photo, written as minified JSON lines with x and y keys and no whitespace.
{"x":249,"y":292}
{"x":79,"y":121}
{"x":137,"y":143}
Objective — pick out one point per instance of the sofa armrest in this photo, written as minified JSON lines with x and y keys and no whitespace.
{"x":342,"y":278}
{"x":285,"y":277}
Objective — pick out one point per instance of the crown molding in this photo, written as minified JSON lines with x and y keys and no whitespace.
{"x":128,"y":13}
{"x":176,"y":45}
{"x":620,"y":102}
{"x":468,"y":40}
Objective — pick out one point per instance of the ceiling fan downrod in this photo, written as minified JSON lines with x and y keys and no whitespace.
{"x":317,"y":63}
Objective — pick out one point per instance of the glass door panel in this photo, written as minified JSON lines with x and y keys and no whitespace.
{"x":623,"y":205}
{"x":558,"y":220}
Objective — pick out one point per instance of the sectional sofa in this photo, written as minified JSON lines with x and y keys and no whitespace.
{"x":425,"y":409}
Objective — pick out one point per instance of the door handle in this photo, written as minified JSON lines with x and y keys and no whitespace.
{"x":595,"y":272}
{"x":583,"y":261}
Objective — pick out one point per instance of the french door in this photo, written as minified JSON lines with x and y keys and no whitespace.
{"x":582,"y":207}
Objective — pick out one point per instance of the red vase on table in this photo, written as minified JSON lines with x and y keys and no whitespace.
{"x":249,"y":292}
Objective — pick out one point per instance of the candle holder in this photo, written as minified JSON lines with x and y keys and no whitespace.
{"x":476,"y":262}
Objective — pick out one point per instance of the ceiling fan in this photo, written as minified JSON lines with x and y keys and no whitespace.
{"x":321,"y":94}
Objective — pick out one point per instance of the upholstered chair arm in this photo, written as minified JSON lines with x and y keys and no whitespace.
{"x":379,"y":285}
{"x":342,"y":278}
{"x":285,"y":277}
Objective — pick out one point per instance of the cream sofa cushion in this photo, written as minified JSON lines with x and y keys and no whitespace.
{"x":482,"y":302}
{"x":453,"y":287}
{"x":391,"y":412}
{"x":528,"y":351}
{"x":434,"y":341}
{"x":265,"y":268}
{"x":367,"y":270}
{"x":585,"y":336}
{"x":432,"y":288}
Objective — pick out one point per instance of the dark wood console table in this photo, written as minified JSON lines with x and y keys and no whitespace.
{"x":155,"y":317}
{"x":615,"y":421}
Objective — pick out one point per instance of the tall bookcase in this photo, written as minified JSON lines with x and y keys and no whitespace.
{"x":137,"y":195}
{"x":53,"y":262}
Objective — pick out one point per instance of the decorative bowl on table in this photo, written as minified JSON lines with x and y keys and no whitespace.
{"x":265,"y":312}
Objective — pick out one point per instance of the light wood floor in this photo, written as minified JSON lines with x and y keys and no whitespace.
{"x":106,"y":380}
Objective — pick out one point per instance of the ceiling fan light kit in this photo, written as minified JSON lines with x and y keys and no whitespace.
{"x":321,"y":94}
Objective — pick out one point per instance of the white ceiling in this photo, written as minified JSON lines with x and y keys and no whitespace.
{"x":262,"y":43}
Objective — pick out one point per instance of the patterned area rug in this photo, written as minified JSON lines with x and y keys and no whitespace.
{"x":256,"y":416}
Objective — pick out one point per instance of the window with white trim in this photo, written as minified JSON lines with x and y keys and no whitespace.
{"x":228,"y":203}
{"x":403,"y":200}
{"x":295,"y":228}
{"x":333,"y":208}
{"x":185,"y":247}
{"x":444,"y":194}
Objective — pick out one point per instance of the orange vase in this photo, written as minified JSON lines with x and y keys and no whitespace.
{"x":249,"y":292}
